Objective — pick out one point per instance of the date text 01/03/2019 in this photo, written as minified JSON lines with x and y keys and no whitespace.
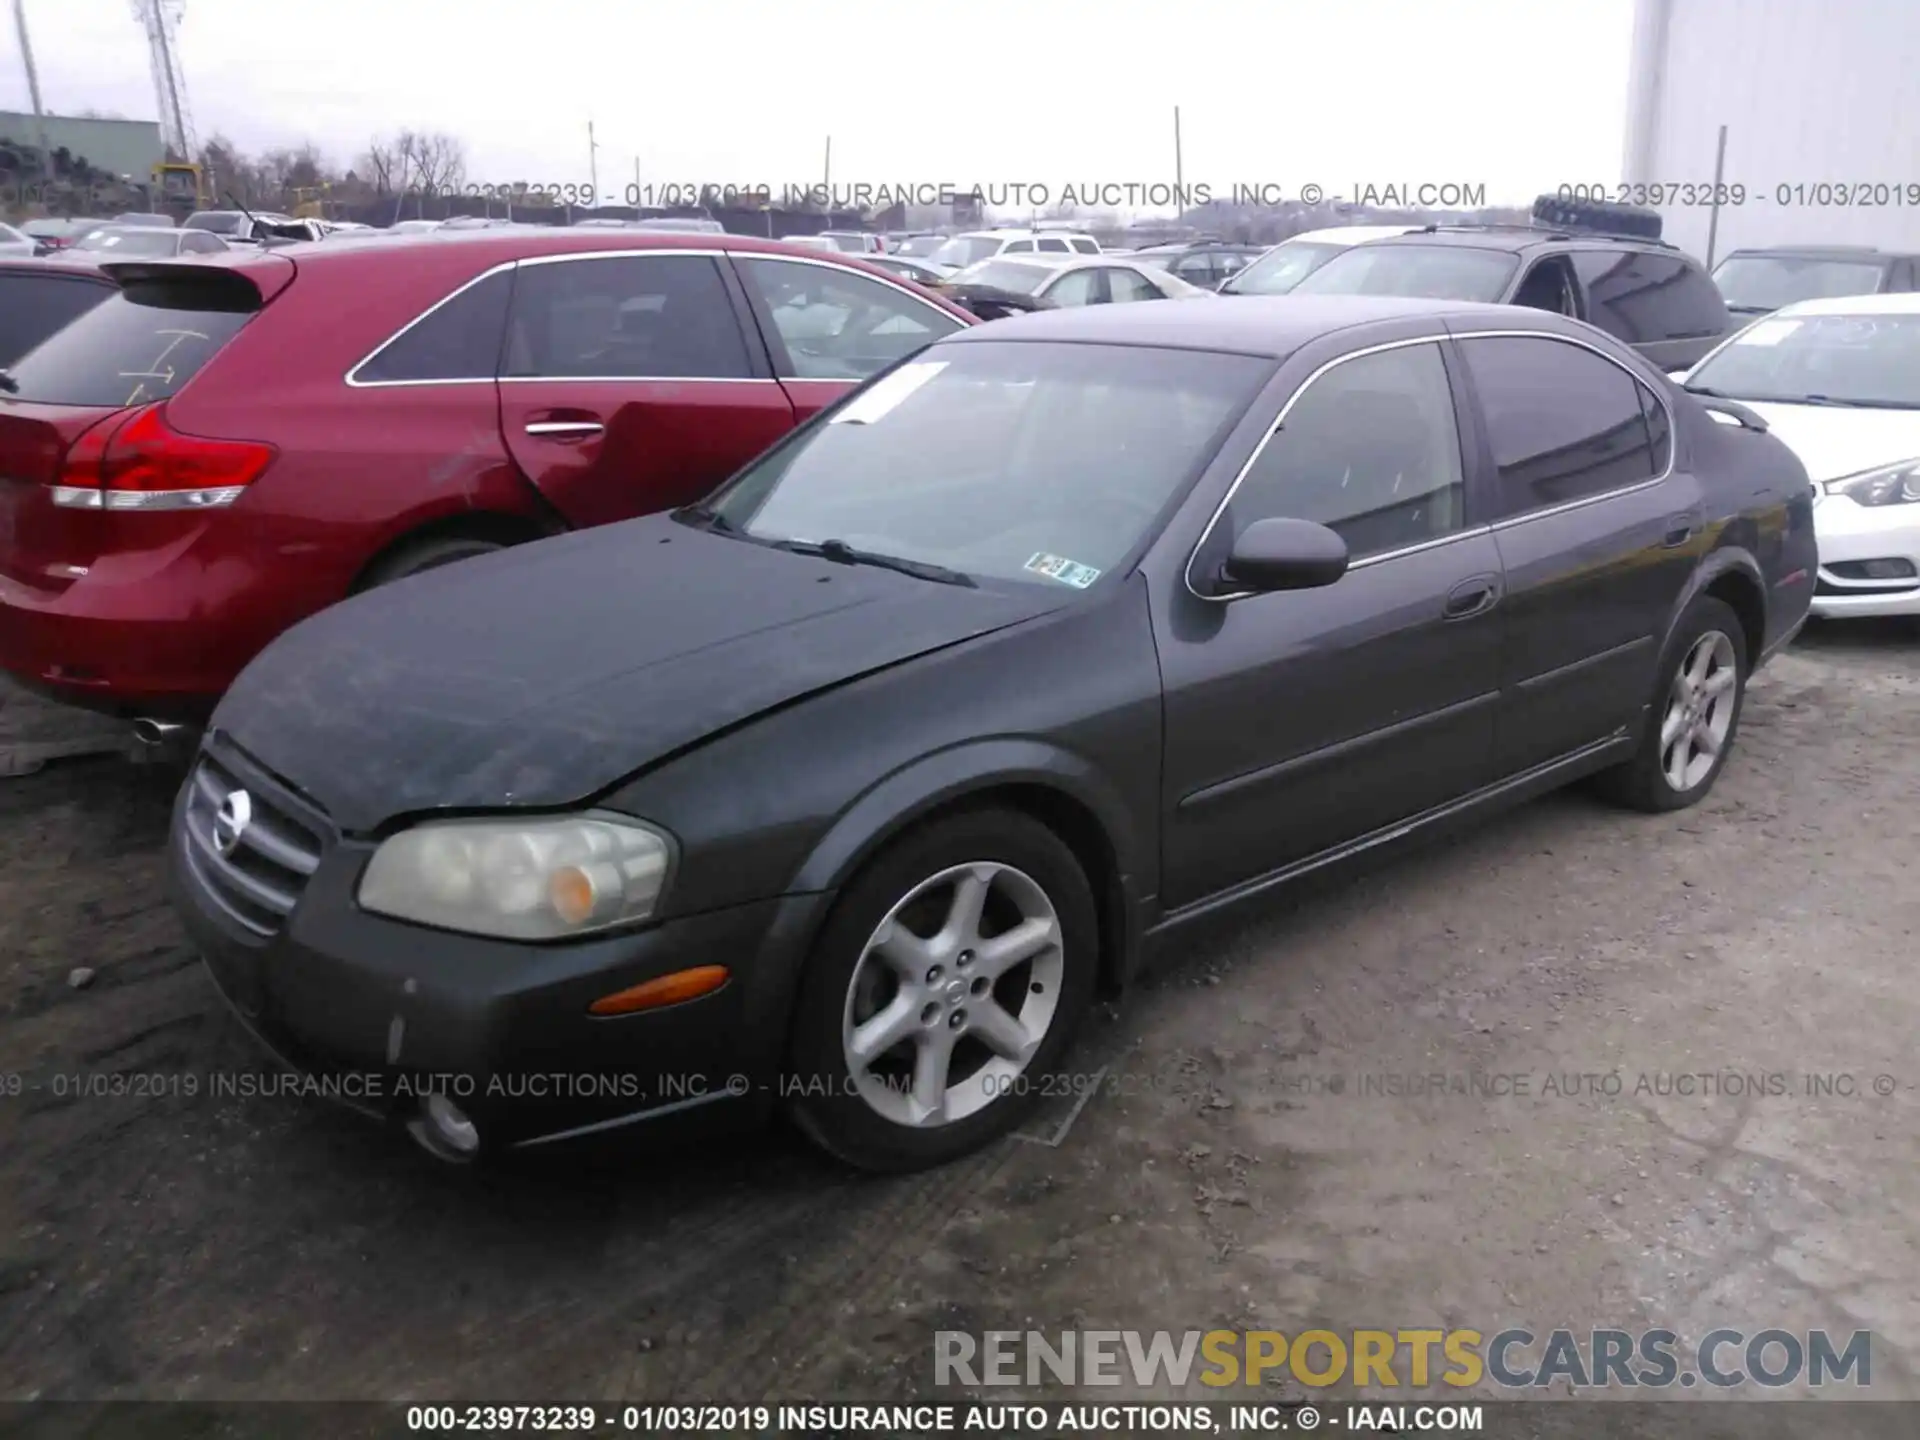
{"x":1787,"y":194}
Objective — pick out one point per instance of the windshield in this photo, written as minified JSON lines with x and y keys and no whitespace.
{"x":846,"y":243}
{"x":919,"y":247}
{"x":1283,"y":267}
{"x":1769,"y":282}
{"x":1439,"y":272}
{"x":1868,"y":360}
{"x":130,"y":242}
{"x":1006,"y":275}
{"x":965,"y":250}
{"x":1042,"y":463}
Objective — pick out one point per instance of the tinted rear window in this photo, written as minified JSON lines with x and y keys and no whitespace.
{"x":33,"y":307}
{"x":458,"y":340}
{"x":126,"y":352}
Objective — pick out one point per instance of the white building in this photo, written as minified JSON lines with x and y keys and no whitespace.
{"x":1821,"y":103}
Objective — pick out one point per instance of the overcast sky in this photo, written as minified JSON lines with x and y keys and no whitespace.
{"x":1518,"y":95}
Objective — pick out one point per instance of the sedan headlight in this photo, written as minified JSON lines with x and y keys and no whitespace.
{"x":534,"y":879}
{"x":1890,"y":485}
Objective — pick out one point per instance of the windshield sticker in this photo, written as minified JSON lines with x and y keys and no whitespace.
{"x":883,"y":396}
{"x":1067,"y":572}
{"x":1769,"y":332}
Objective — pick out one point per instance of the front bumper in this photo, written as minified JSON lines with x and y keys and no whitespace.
{"x":380,"y":1014}
{"x":1850,"y":533}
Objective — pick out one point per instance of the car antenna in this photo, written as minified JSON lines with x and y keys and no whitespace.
{"x":234,"y":201}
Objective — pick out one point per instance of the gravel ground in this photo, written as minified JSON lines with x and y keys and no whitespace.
{"x":1239,"y":1165}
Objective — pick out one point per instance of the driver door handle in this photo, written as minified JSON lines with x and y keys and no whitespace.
{"x":1472,"y":597}
{"x":565,"y":427}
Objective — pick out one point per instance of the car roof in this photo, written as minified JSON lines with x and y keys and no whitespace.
{"x":1272,"y":326}
{"x":1516,"y":238}
{"x":1861,"y":253}
{"x":1351,"y":234}
{"x":478,"y":250}
{"x":1902,"y":304}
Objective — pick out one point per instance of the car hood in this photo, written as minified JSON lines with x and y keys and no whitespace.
{"x":543,"y":675}
{"x":1832,"y":441}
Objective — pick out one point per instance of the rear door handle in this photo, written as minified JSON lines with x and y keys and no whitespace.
{"x":1680,"y":529}
{"x":565,"y":427}
{"x":1472,"y":597}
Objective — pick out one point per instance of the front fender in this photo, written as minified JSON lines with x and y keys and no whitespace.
{"x":976,"y":767}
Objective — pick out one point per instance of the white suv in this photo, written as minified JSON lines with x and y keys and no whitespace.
{"x":972,"y":246}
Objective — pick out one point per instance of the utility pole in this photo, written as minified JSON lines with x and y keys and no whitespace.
{"x":593,"y":163}
{"x":827,"y":179}
{"x":636,"y":187}
{"x":1713,"y":215}
{"x":33,"y":87}
{"x":1179,"y":170}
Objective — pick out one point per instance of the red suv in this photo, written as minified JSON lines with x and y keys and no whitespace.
{"x":230,"y":444}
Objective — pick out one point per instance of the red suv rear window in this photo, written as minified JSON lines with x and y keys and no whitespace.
{"x":139,"y":345}
{"x":34,"y":305}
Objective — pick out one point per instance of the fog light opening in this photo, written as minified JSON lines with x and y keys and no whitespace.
{"x":444,"y":1130}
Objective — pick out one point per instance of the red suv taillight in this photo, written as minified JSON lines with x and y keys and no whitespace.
{"x":140,"y":462}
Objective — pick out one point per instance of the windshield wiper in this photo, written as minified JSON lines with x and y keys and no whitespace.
{"x":707,"y":518}
{"x":842,"y":553}
{"x":1830,"y":400}
{"x":1707,"y":391}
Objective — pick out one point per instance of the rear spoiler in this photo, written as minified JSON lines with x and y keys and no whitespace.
{"x":199,"y":284}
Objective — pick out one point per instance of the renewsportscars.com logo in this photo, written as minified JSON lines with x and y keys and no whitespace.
{"x":1388,"y":1359}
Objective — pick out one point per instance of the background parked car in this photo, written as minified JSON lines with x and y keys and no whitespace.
{"x":234,"y":442}
{"x":1641,"y":291}
{"x":1205,"y":263}
{"x":1277,"y":271}
{"x":124,"y":241}
{"x":145,"y":217}
{"x":40,"y":297}
{"x":1076,"y":280}
{"x":235,"y":224}
{"x":855,"y":242}
{"x":1758,"y":281}
{"x":52,"y":235}
{"x":17,"y":244}
{"x":907,"y":268}
{"x":1839,"y":381}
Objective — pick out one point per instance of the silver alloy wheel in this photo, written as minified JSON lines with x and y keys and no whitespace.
{"x":966,"y":966}
{"x":1699,"y":711}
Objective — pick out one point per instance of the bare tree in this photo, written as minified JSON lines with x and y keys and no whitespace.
{"x":388,"y":163}
{"x":438,"y":160}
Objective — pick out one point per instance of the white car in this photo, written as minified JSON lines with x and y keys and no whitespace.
{"x":972,"y":246}
{"x":1079,"y":280}
{"x":1292,"y":260}
{"x":15,"y":242}
{"x":1839,"y":382}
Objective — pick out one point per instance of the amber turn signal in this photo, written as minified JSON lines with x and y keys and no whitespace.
{"x":662,"y":990}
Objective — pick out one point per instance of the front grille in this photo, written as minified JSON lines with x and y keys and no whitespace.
{"x":267,"y":860}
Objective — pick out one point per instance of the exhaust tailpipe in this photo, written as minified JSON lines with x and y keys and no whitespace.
{"x":156,"y":733}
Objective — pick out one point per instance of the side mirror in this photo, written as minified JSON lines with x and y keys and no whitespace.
{"x":1285,"y":555}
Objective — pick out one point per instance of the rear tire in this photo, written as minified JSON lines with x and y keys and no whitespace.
{"x":946,"y":986}
{"x":1694,"y":716}
{"x":426,"y":555}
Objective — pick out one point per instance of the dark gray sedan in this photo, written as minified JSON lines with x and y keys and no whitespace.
{"x":850,"y":789}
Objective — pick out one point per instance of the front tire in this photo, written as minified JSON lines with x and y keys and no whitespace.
{"x":1694,"y":717}
{"x":945,"y":988}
